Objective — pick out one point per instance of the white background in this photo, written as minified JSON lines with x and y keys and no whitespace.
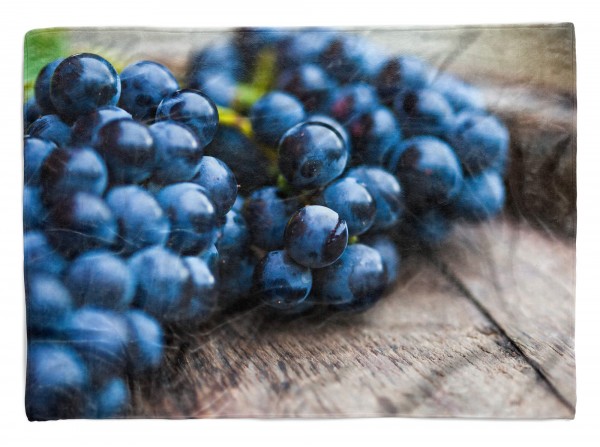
{"x":16,"y":19}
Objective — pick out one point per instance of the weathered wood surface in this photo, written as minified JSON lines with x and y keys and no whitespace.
{"x":481,"y":328}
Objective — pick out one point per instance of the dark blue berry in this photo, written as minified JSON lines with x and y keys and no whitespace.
{"x":200,"y":299}
{"x":112,"y":399}
{"x":458,"y":93}
{"x":481,"y":197}
{"x":354,"y":283}
{"x":35,"y":152}
{"x":316,"y":236}
{"x":280,"y":282}
{"x":273,"y":114}
{"x":31,"y":112}
{"x":399,"y":73}
{"x":325,"y":119}
{"x":35,"y":213}
{"x":146,"y":342}
{"x":51,"y":127}
{"x":178,"y":152}
{"x":389,"y":254}
{"x":352,"y":202}
{"x":194,"y":109}
{"x":144,"y":84}
{"x":40,"y":256}
{"x":211,"y":257}
{"x":309,"y":83}
{"x":85,"y":129}
{"x":48,"y":303}
{"x":140,"y":219}
{"x":373,"y":134}
{"x":234,"y":235}
{"x":218,"y":180}
{"x":235,"y":279}
{"x":216,"y":57}
{"x":220,"y":86}
{"x":429,"y":228}
{"x":82,"y":83}
{"x":192,"y":215}
{"x":42,"y":87}
{"x":303,"y":47}
{"x":311,"y":155}
{"x":351,"y":100}
{"x":423,"y":112}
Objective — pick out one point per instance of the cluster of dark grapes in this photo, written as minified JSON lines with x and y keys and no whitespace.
{"x":143,"y":210}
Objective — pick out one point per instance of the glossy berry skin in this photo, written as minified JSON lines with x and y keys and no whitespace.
{"x":178,"y":152}
{"x":146,"y":342}
{"x":309,"y":83}
{"x":315,"y":236}
{"x":112,"y":399}
{"x":280,"y":282}
{"x":100,"y":337}
{"x":79,"y":223}
{"x":192,"y":215}
{"x":200,"y":299}
{"x":141,"y":221}
{"x":460,"y":95}
{"x":218,"y":85}
{"x":51,"y":127}
{"x":242,"y":156}
{"x":267,"y":212}
{"x":85,"y":129}
{"x":352,"y":202}
{"x":42,"y":87}
{"x":273,"y":114}
{"x":67,"y":171}
{"x":354,"y":283}
{"x":31,"y":112}
{"x":373,"y":134}
{"x":144,"y":84}
{"x":100,"y":278}
{"x":234,"y":235}
{"x":162,"y":279}
{"x":399,"y":73}
{"x":34,"y":211}
{"x":423,"y":112}
{"x":480,"y":141}
{"x":35,"y":152}
{"x":235,"y":279}
{"x":58,"y":382}
{"x":325,"y":119}
{"x":40,"y":256}
{"x":192,"y":108}
{"x":351,"y":100}
{"x":428,"y":170}
{"x":82,"y":83}
{"x":128,"y":148}
{"x":481,"y":197}
{"x":389,"y":255}
{"x":386,"y":192}
{"x":311,"y":155}
{"x":220,"y":183}
{"x":48,"y":303}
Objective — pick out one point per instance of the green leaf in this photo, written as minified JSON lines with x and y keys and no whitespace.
{"x":41,"y":47}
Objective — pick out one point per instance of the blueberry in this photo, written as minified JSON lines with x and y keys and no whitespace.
{"x":211,"y":257}
{"x":200,"y":299}
{"x":481,"y":197}
{"x":48,"y":303}
{"x":303,"y":47}
{"x":140,"y":219}
{"x":57,"y":382}
{"x":128,"y":148}
{"x":112,"y":399}
{"x":423,"y":112}
{"x":178,"y":152}
{"x":238,"y":205}
{"x":242,"y":156}
{"x":34,"y":212}
{"x":100,"y":336}
{"x":373,"y":134}
{"x":267,"y":212}
{"x":82,"y":83}
{"x":429,"y":228}
{"x":352,"y":202}
{"x":389,"y":255}
{"x":321,"y":118}
{"x":144,"y":84}
{"x":31,"y":112}
{"x":79,"y":223}
{"x":50,"y":127}
{"x":351,"y":100}
{"x":40,"y":256}
{"x":220,"y":86}
{"x":85,"y":129}
{"x":311,"y":155}
{"x":162,"y":279}
{"x":42,"y":87}
{"x":309,"y":83}
{"x":192,"y":215}
{"x":399,"y":73}
{"x":280,"y":282}
{"x":355,"y":282}
{"x":218,"y":180}
{"x":428,"y":170}
{"x":273,"y":114}
{"x":316,"y":236}
{"x":235,"y":279}
{"x":387,"y":193}
{"x":66,"y":171}
{"x":458,"y":93}
{"x":194,"y":109}
{"x":234,"y":235}
{"x":35,"y":152}
{"x":146,"y":342}
{"x":480,"y":141}
{"x":220,"y":57}
{"x":102,"y":279}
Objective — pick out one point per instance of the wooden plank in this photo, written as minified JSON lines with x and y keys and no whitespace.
{"x":423,"y":351}
{"x":526,"y":280}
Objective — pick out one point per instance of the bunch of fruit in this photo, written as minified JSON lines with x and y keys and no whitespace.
{"x":143,"y":209}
